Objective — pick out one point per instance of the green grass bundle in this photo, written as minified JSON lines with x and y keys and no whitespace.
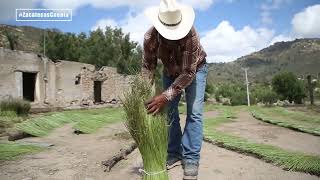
{"x":149,"y":132}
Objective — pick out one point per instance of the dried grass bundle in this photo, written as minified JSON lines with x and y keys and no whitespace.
{"x":149,"y":132}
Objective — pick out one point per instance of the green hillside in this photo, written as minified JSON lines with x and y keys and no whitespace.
{"x":28,"y":37}
{"x":301,"y":56}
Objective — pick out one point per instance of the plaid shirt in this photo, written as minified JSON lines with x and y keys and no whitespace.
{"x":181,"y":59}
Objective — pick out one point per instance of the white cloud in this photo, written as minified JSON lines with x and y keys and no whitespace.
{"x":307,"y":22}
{"x":102,"y":23}
{"x":135,"y":24}
{"x":224,"y":43}
{"x":281,"y":38}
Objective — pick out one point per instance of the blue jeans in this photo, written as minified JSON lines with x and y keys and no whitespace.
{"x":187,"y":145}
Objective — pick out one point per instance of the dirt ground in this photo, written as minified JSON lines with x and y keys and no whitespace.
{"x":78,"y":157}
{"x":249,"y":128}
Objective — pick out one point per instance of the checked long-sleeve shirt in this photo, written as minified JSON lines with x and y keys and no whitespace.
{"x":181,"y":59}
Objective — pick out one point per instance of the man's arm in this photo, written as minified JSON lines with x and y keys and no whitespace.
{"x":149,"y":59}
{"x":190,"y":58}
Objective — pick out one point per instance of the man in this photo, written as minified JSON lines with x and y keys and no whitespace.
{"x":174,"y":41}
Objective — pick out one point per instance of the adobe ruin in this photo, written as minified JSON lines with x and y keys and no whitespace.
{"x":58,"y":84}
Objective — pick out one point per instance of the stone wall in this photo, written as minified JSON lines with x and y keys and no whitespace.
{"x":114,"y":85}
{"x":59,"y":83}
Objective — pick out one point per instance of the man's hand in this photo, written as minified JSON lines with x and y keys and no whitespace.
{"x":155,"y":104}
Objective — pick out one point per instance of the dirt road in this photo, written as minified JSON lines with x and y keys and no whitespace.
{"x":78,"y":157}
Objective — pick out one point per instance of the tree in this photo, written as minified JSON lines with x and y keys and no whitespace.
{"x":288,"y":87}
{"x":108,"y":47}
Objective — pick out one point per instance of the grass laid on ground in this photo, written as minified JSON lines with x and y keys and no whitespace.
{"x":87,"y":121}
{"x":295,"y":161}
{"x":11,"y":150}
{"x":295,"y":120}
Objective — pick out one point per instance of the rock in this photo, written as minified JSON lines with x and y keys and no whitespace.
{"x":260,"y":104}
{"x":225,"y":101}
{"x":279,"y":103}
{"x":16,"y":134}
{"x":286,"y":103}
{"x":212,"y":101}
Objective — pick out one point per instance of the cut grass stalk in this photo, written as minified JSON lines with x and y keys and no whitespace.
{"x":11,"y":150}
{"x":86,"y":121}
{"x":290,"y":125}
{"x":295,"y":161}
{"x":149,"y":132}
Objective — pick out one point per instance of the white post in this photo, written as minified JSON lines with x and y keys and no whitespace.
{"x":247,"y":82}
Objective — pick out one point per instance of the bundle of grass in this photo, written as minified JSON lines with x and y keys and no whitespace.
{"x":149,"y":132}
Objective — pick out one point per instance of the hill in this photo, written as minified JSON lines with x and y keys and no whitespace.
{"x":301,"y":56}
{"x":28,"y":37}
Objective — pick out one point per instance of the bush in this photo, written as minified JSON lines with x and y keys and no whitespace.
{"x":265,"y":94}
{"x":235,"y":92}
{"x":224,"y":90}
{"x":209,"y":88}
{"x":238,"y":98}
{"x":288,"y":87}
{"x":20,"y":107}
{"x":208,"y":92}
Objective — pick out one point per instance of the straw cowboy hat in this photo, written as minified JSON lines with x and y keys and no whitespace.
{"x":171,"y":19}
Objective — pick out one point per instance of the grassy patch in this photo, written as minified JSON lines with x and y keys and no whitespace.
{"x":87,"y":121}
{"x":11,"y":150}
{"x":295,"y":161}
{"x":19,"y":106}
{"x":8,"y":119}
{"x":295,"y":120}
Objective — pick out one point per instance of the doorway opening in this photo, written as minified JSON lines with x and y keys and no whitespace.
{"x":97,"y":91}
{"x":29,"y":84}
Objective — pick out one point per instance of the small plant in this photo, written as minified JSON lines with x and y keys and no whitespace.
{"x":20,"y":107}
{"x":149,"y":132}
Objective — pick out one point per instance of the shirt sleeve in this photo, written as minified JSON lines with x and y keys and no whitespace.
{"x":190,"y":58}
{"x":149,"y":56}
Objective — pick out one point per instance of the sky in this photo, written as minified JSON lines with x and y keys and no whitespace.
{"x":228,"y":29}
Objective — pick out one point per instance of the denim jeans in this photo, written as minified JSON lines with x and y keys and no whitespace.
{"x":187,"y":145}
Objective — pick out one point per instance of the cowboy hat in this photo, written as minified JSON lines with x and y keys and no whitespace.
{"x":171,"y":19}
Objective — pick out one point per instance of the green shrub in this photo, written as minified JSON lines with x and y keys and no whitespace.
{"x":265,"y":95}
{"x":238,"y":98}
{"x":20,"y":107}
{"x":210,"y":88}
{"x":288,"y":87}
{"x":224,"y":90}
{"x":235,"y":92}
